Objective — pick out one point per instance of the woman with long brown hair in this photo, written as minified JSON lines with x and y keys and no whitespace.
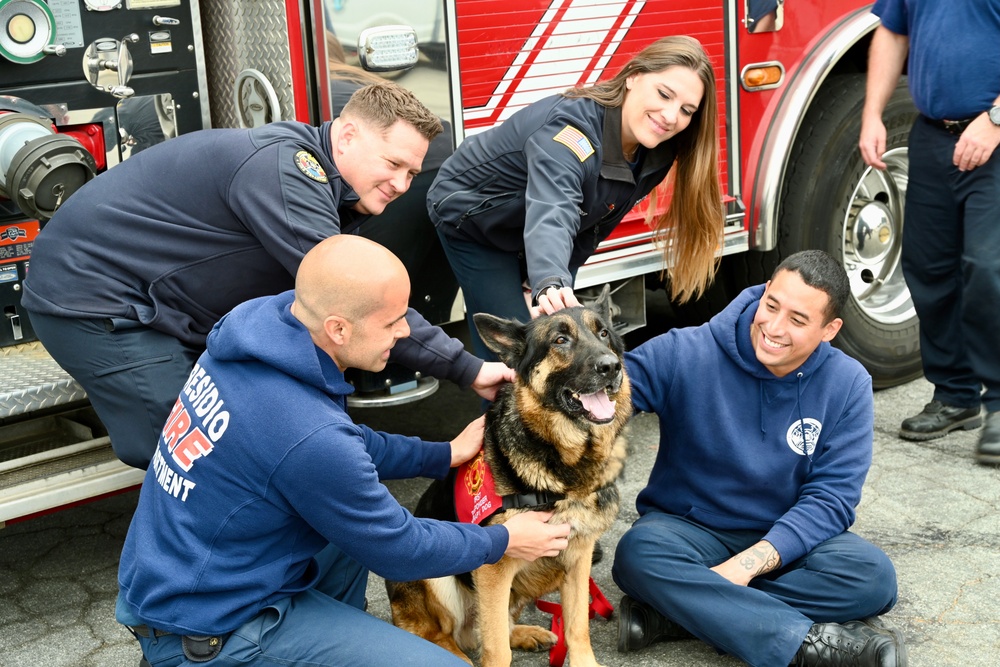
{"x":528,"y":201}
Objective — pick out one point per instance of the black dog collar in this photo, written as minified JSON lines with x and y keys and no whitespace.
{"x":536,"y":500}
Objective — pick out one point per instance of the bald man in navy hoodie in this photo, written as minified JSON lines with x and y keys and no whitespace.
{"x":263,"y":508}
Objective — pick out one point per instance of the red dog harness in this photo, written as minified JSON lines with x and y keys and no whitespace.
{"x":476,"y":500}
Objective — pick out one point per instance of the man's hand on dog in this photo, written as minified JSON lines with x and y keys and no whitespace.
{"x":554,"y":299}
{"x":492,"y":376}
{"x":468,"y":443}
{"x":531,"y":536}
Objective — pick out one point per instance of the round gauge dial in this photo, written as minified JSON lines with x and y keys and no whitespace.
{"x":101,"y":5}
{"x":26,"y":27}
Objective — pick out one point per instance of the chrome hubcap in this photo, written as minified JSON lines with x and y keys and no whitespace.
{"x":872,"y":241}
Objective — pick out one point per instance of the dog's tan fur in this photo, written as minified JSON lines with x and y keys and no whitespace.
{"x":536,"y":441}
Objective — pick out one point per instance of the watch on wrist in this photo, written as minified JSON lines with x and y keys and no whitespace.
{"x":994,"y":114}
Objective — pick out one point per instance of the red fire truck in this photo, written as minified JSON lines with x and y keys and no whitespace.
{"x":84,"y":84}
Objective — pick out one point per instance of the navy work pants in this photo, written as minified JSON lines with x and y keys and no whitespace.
{"x":323,"y":626}
{"x":665,"y":560}
{"x":132,"y":375}
{"x":491,"y":282}
{"x":951,"y":261}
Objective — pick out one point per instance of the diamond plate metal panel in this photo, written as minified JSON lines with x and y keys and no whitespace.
{"x":242,"y":34}
{"x":32,"y":380}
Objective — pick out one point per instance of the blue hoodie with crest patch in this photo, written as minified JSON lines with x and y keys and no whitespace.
{"x":258,"y":468}
{"x":731,"y":453}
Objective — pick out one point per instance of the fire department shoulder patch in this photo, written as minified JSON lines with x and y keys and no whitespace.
{"x":309,"y":165}
{"x":576,"y":141}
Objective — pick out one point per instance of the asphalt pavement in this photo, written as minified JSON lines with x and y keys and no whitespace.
{"x":928,"y":505}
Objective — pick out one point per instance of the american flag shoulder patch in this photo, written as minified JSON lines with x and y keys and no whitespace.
{"x":576,"y":141}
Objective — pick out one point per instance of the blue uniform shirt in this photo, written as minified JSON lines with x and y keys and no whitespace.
{"x":954,"y":61}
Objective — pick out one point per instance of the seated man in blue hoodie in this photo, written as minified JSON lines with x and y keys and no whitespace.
{"x":765,"y":440}
{"x":263,"y":508}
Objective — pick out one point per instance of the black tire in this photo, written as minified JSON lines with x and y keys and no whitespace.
{"x":833,"y":201}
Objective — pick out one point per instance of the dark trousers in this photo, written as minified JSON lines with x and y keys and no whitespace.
{"x":324,"y":626}
{"x":491,"y":283}
{"x":951,"y":261}
{"x":665,"y":560}
{"x":132,"y":375}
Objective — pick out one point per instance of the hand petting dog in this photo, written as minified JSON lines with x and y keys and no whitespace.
{"x":468,"y":443}
{"x":492,"y":376}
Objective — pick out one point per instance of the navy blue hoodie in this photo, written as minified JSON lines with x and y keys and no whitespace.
{"x":259,"y":467}
{"x":731,"y":451}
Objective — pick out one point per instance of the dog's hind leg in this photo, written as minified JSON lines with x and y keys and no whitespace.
{"x":575,"y":597}
{"x":434,"y":609}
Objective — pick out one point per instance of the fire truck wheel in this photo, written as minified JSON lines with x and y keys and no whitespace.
{"x":833,"y":201}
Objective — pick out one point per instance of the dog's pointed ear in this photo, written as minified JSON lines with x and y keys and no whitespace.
{"x":603,"y":303}
{"x":505,"y":337}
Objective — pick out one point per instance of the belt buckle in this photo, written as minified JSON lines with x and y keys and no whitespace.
{"x":956,"y":127}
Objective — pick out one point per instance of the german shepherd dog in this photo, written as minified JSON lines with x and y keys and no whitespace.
{"x":557,"y":437}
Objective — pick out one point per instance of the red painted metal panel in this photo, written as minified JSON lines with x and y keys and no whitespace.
{"x":541,"y":47}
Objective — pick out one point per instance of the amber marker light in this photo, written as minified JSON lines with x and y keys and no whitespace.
{"x":762,"y":76}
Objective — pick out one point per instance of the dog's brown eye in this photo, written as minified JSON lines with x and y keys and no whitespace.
{"x":604,"y":333}
{"x":561,"y":340}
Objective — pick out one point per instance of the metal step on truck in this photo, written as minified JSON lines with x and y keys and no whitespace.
{"x":76,"y":76}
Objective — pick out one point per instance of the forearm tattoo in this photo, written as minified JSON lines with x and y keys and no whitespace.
{"x":759,"y":559}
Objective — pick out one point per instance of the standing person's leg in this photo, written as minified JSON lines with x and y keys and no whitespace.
{"x":979,"y":191}
{"x":132,"y":375}
{"x":664,"y":561}
{"x":491,"y":283}
{"x":932,"y":266}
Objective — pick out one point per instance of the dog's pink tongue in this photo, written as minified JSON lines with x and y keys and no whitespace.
{"x":598,"y":405}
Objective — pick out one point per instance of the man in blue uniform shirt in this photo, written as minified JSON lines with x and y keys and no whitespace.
{"x":951,"y":240}
{"x":263,"y":509}
{"x":131,"y":273}
{"x":765,"y":441}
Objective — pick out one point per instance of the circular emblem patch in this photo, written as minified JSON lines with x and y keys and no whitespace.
{"x":475,"y":473}
{"x":310,"y":166}
{"x":803,"y":443}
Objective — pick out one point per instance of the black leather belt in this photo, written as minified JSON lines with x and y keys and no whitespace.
{"x":956,"y":127}
{"x":146,"y":632}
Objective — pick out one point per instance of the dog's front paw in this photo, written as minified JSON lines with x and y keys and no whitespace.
{"x":532,"y":638}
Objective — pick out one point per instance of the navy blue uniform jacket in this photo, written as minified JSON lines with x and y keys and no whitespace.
{"x":179,"y":235}
{"x":532,"y":186}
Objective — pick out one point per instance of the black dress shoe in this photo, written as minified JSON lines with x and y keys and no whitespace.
{"x":988,"y":449}
{"x":937,"y":420}
{"x":640,"y":625}
{"x":865,"y":643}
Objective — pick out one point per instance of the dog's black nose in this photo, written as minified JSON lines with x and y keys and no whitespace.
{"x":607,"y":365}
